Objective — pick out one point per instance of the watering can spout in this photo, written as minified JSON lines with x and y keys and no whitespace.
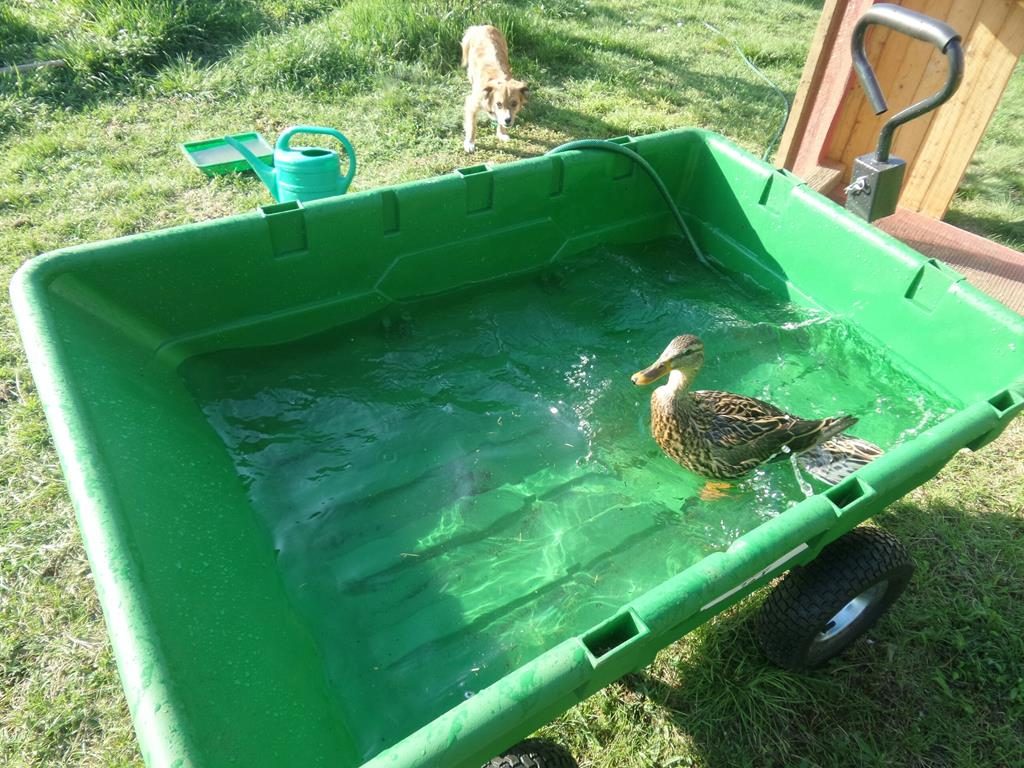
{"x":266,"y":173}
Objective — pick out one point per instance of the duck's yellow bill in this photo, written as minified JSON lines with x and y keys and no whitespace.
{"x":650,"y":375}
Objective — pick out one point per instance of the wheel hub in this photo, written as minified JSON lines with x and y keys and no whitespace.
{"x":849,"y":613}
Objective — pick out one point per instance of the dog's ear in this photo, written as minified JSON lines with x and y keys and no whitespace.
{"x":488,"y":92}
{"x":524,"y":89}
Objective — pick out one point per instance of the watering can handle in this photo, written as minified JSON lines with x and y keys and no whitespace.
{"x":918,"y":26}
{"x":286,"y":137}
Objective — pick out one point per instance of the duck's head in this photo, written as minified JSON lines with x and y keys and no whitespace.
{"x":684,"y":353}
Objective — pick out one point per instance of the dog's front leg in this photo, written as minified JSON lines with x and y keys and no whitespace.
{"x":469,"y":123}
{"x":502,"y":133}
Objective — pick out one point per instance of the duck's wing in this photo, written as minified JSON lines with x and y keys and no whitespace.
{"x":754,"y":432}
{"x":838,"y":458}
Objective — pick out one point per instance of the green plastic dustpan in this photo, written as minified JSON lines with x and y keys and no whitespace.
{"x":215,"y":157}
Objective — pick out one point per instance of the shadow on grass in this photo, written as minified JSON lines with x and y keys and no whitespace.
{"x":573,"y":122}
{"x":938,"y":681}
{"x":555,"y":58}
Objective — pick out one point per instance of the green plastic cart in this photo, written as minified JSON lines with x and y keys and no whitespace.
{"x":235,"y":651}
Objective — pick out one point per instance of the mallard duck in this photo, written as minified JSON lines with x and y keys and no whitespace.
{"x":723,"y":435}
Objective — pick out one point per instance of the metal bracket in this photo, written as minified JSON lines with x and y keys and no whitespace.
{"x":875,"y":187}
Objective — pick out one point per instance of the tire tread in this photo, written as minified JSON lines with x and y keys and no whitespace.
{"x":534,"y":753}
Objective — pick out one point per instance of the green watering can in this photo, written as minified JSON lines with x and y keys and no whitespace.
{"x":302,"y":173}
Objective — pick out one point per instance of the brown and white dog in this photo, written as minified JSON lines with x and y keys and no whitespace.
{"x":494,"y":90}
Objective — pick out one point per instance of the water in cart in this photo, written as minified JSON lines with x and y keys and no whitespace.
{"x":457,"y":484}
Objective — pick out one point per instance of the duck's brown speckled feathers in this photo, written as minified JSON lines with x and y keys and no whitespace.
{"x":722,"y":435}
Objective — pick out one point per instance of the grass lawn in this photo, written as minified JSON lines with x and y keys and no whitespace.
{"x":90,"y":152}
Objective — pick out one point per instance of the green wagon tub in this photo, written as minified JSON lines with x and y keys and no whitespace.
{"x":365,"y":482}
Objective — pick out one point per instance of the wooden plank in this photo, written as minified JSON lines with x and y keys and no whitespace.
{"x":815,"y":68}
{"x":970,"y":130}
{"x":832,"y":122}
{"x":822,"y":106}
{"x":856,"y":108}
{"x":959,"y":125}
{"x":824,"y":178}
{"x":909,"y":140}
{"x":927,"y":68}
{"x":966,"y":18}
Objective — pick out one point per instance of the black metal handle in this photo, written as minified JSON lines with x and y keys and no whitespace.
{"x":918,"y":26}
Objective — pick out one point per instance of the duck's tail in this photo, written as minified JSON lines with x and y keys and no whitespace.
{"x":838,"y":457}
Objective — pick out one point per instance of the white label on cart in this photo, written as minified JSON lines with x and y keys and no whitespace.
{"x":768,"y":569}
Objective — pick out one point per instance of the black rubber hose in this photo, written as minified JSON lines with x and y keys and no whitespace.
{"x":610,"y":146}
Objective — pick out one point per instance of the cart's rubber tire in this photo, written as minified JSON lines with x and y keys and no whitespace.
{"x":535,"y":753}
{"x":819,"y":609}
